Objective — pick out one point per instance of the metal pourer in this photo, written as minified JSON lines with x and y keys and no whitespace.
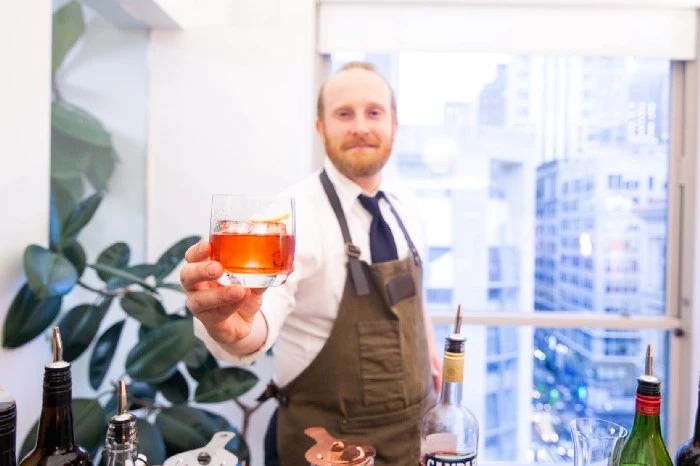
{"x":57,"y":345}
{"x":649,"y":361}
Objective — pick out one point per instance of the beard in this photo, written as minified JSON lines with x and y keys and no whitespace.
{"x":359,"y":162}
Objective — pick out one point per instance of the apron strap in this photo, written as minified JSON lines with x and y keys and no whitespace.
{"x":353,"y":252}
{"x":411,"y":246}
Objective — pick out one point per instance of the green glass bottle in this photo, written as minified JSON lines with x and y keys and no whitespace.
{"x":645,"y":445}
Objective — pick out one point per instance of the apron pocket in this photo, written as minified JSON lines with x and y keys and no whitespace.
{"x":381,"y":361}
{"x":364,"y":424}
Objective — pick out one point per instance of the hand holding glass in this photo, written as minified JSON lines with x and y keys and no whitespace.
{"x":253,"y":238}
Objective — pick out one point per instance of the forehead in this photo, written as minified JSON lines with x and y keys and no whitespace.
{"x":356,"y":87}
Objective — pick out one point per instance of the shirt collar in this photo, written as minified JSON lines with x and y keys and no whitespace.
{"x":348,"y":190}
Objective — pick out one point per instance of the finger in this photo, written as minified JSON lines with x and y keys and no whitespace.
{"x":204,"y":300}
{"x":198,"y":252}
{"x":197,"y":272}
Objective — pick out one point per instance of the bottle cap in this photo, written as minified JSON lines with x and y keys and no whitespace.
{"x":454,"y":343}
{"x":122,"y":426}
{"x":8,"y":421}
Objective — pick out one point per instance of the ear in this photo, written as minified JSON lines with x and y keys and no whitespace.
{"x":319,"y":128}
{"x":394,"y":122}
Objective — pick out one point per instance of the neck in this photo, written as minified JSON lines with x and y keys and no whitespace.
{"x":369,"y":184}
{"x":451,"y":393}
{"x":56,"y":421}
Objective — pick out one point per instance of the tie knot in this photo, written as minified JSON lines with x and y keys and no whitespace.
{"x":371,"y":203}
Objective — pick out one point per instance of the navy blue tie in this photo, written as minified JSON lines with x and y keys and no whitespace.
{"x":381,"y":240}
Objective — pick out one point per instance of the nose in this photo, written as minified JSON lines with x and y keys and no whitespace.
{"x":360,"y":125}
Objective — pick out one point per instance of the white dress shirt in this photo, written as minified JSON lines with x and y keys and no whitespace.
{"x":300,"y":314}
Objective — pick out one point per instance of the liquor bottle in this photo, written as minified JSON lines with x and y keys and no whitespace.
{"x":55,"y":442}
{"x":689,"y":453}
{"x":8,"y":428}
{"x":645,"y":445}
{"x":121,"y":444}
{"x":449,"y":431}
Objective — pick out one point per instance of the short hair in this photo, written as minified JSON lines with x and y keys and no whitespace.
{"x":354,"y":65}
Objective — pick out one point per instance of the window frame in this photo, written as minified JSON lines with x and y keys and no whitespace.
{"x":680,"y":264}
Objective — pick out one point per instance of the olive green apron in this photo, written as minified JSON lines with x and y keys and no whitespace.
{"x":371,"y":382}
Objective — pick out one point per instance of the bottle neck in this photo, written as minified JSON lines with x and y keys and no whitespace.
{"x":452,"y":377}
{"x":451,"y":393}
{"x":647,"y":419}
{"x":121,"y":444}
{"x":56,"y":421}
{"x":8,"y":458}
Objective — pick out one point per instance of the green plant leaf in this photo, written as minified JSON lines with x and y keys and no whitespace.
{"x":79,"y":124}
{"x":200,"y":371}
{"x":68,"y":26}
{"x":173,"y":256}
{"x":80,"y":215}
{"x":144,"y":308}
{"x":186,"y":428}
{"x":48,"y":274}
{"x":170,"y":286}
{"x":62,"y":198}
{"x":74,"y":188}
{"x":121,"y":277}
{"x":78,"y":328}
{"x":101,"y":168}
{"x":70,"y":157}
{"x":27,"y":317}
{"x":175,"y":389}
{"x":151,"y":442}
{"x":224,"y":384}
{"x":75,"y":253}
{"x":117,"y":255}
{"x":197,"y":356}
{"x":143,"y":330}
{"x":29,"y":440}
{"x":103,"y":352}
{"x":89,"y":420}
{"x":155,"y":358}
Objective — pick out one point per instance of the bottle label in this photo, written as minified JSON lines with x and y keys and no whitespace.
{"x":648,"y":405}
{"x":449,"y":459}
{"x":453,"y":368}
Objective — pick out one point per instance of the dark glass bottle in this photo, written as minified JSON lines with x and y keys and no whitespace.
{"x":645,"y":445}
{"x":121,"y":444}
{"x":449,"y":431}
{"x":8,"y":429}
{"x":689,"y":453}
{"x":55,"y":443}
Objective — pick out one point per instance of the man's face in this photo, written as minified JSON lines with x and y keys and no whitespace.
{"x":358,"y":124}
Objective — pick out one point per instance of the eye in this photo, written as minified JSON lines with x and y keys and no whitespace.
{"x":375,"y":112}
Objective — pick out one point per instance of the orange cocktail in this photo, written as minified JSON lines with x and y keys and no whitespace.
{"x":253,"y":239}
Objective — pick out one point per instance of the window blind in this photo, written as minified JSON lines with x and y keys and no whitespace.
{"x":620,"y":28}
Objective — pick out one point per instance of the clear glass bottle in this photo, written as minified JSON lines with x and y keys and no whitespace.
{"x":645,"y":445}
{"x":121,"y":444}
{"x":449,"y":431}
{"x":8,"y":429}
{"x":689,"y":453}
{"x":55,"y":442}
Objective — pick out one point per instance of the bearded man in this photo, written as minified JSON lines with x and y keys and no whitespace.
{"x":353,"y":346}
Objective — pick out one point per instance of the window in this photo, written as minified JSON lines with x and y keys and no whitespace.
{"x":561,"y":208}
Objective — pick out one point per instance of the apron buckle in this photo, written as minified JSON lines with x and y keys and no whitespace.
{"x":352,"y":250}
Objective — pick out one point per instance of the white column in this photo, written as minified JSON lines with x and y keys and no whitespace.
{"x":25,"y":51}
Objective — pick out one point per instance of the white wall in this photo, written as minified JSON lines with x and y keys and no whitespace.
{"x":232,"y":110}
{"x":24,"y":176}
{"x":106,"y":74}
